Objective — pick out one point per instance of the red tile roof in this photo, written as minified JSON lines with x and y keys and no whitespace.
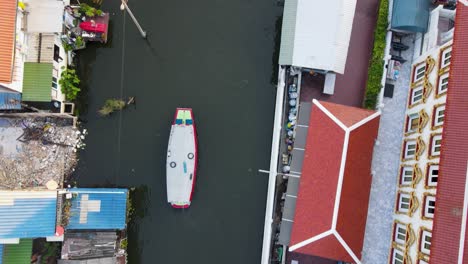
{"x":447,"y":237}
{"x":336,"y":166}
{"x":7,"y":39}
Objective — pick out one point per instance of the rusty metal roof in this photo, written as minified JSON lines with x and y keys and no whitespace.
{"x":7,"y":39}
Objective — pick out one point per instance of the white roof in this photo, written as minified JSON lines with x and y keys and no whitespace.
{"x":316,"y":33}
{"x":45,"y":16}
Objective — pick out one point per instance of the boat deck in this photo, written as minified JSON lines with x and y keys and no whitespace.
{"x":180,"y":164}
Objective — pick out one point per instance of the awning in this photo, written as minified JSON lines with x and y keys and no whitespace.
{"x":9,"y":99}
{"x":45,"y":16}
{"x":18,"y":253}
{"x":410,"y":16}
{"x":316,"y":34}
{"x":292,"y":189}
{"x":37,"y":82}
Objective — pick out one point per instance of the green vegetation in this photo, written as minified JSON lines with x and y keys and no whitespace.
{"x":51,"y":251}
{"x":89,"y":11}
{"x":66,"y":46}
{"x":376,"y":64}
{"x":79,"y":42}
{"x":69,"y":82}
{"x":130,"y":208}
{"x":123,"y":243}
{"x":111,"y":105}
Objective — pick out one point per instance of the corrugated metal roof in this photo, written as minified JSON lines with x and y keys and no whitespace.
{"x":27,"y":214}
{"x":7,"y":38}
{"x":9,"y":99}
{"x":86,"y":245}
{"x":37,"y":82}
{"x":98,"y":209}
{"x":18,"y":253}
{"x":316,"y":34}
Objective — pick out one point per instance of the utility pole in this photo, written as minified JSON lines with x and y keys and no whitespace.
{"x":124,"y":6}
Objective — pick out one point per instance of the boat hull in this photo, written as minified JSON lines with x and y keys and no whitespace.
{"x":181,"y":163}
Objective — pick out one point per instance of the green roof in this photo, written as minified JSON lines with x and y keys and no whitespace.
{"x":18,"y":253}
{"x":37,"y":82}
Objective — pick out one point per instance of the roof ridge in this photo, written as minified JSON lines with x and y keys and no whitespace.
{"x":329,"y":114}
{"x":312,"y":239}
{"x":346,"y":247}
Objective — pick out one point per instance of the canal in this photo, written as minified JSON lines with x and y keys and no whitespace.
{"x":216,"y":57}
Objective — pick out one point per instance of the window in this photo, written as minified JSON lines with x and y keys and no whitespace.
{"x":429,"y":206}
{"x":404,"y":202}
{"x":443,"y":83}
{"x":446,"y":56}
{"x":54,"y":78}
{"x":406,"y":177}
{"x":397,"y":257}
{"x":439,"y":115}
{"x":432,"y":175}
{"x":425,"y":246}
{"x":410,"y":149}
{"x":400,"y":233}
{"x":419,"y":72}
{"x":435,"y":145}
{"x":416,"y":95}
{"x":412,"y":123}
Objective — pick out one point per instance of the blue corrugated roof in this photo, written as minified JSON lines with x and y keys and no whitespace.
{"x":1,"y":253}
{"x":27,"y":214}
{"x":98,"y":208}
{"x":9,"y":99}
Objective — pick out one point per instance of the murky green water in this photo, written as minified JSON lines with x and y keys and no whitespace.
{"x":216,"y":57}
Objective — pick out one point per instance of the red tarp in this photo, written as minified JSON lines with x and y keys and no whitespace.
{"x":93,"y":27}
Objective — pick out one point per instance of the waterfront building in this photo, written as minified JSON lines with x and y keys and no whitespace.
{"x":315,"y":37}
{"x":97,"y":208}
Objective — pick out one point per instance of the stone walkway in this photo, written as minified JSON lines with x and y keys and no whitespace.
{"x":385,"y":166}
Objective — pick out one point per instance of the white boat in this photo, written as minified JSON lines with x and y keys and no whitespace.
{"x":181,"y":164}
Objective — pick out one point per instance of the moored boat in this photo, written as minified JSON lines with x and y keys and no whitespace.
{"x":181,"y":163}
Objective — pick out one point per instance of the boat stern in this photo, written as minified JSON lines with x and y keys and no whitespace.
{"x":181,"y":205}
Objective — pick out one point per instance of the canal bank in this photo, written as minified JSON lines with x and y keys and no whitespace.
{"x":215,"y":58}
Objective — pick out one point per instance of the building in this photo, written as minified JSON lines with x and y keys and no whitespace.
{"x":315,"y":36}
{"x":32,"y":56}
{"x":333,"y":186}
{"x":45,"y":57}
{"x":420,"y":152}
{"x":449,"y":237}
{"x":97,"y":209}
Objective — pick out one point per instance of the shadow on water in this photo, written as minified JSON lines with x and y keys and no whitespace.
{"x":84,"y":60}
{"x":276,"y":51}
{"x":139,"y":202}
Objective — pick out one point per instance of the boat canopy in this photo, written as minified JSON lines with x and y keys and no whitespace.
{"x":410,"y":16}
